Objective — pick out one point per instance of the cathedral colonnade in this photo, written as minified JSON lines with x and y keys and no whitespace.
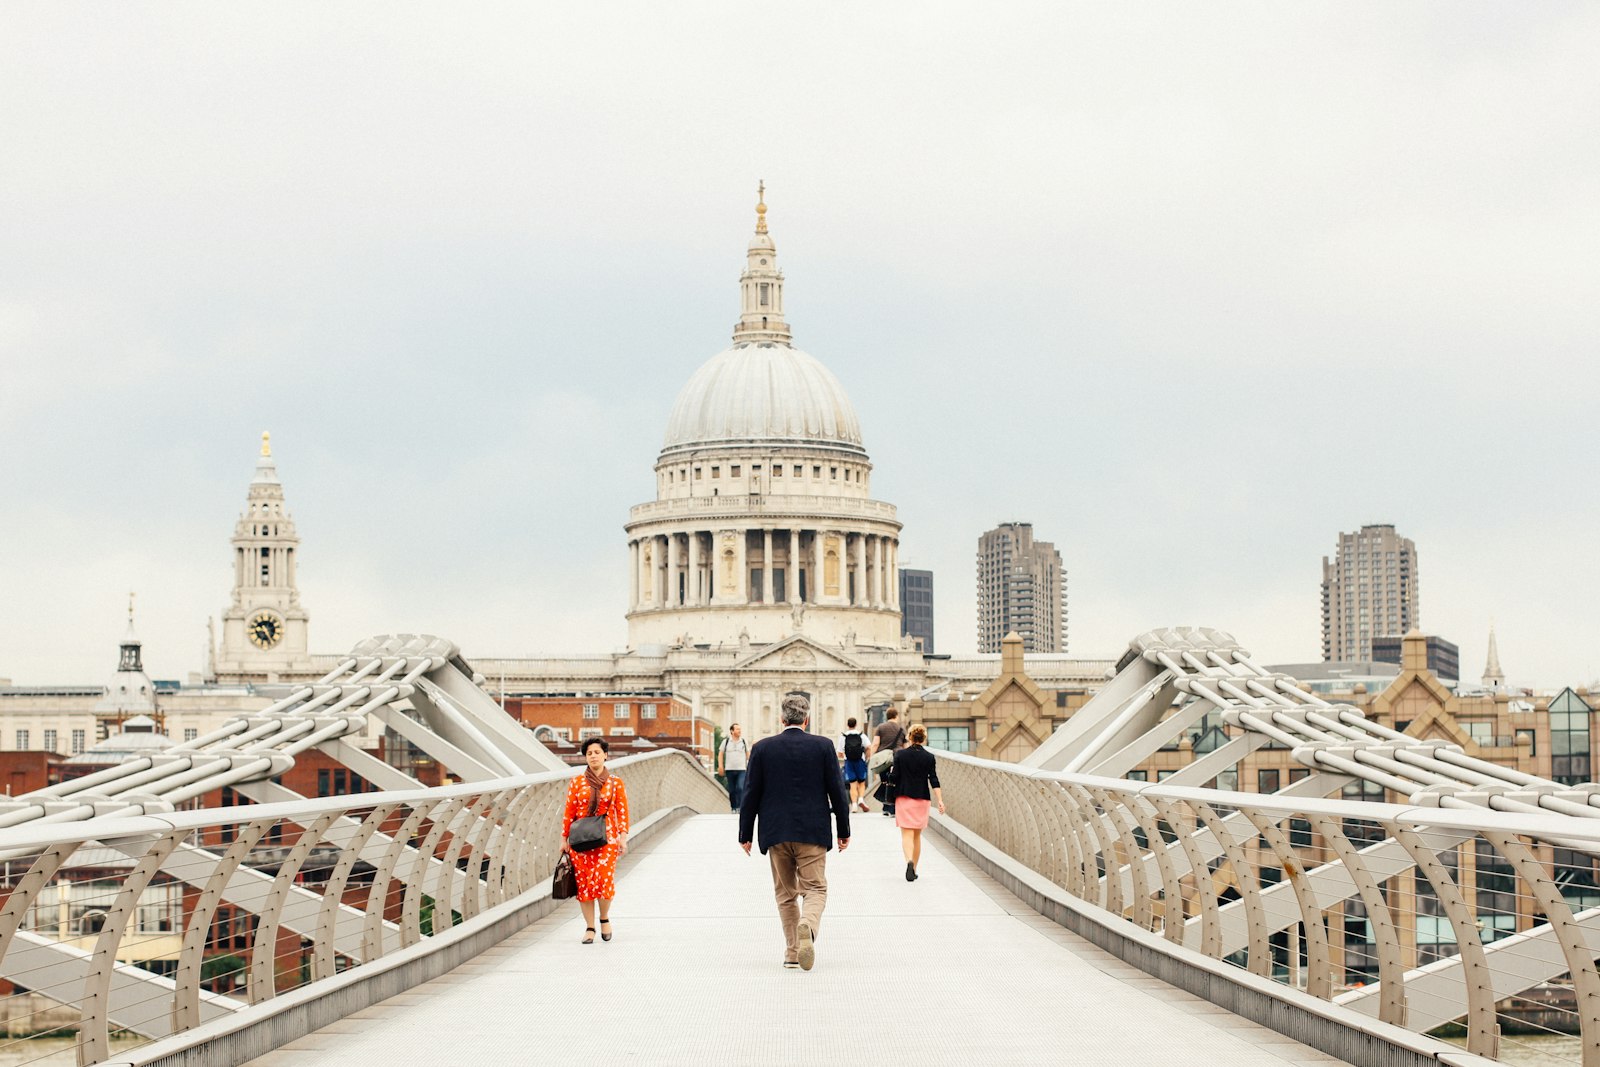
{"x":773,"y":565}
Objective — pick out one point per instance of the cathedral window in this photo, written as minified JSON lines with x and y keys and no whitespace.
{"x":833,"y":473}
{"x":716,"y":472}
{"x":797,"y":470}
{"x":735,"y":472}
{"x":777,"y":470}
{"x":816,"y":471}
{"x":698,"y":473}
{"x":764,"y":300}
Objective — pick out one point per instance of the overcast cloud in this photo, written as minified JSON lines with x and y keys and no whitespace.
{"x":1192,"y":289}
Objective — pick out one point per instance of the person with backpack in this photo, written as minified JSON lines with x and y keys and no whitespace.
{"x":732,"y":758}
{"x":853,"y":748}
{"x":880,"y":757}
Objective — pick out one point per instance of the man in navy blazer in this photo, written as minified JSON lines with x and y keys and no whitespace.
{"x":790,"y":784}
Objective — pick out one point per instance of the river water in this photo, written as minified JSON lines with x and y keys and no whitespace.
{"x":52,"y":1051}
{"x":1544,"y":1050}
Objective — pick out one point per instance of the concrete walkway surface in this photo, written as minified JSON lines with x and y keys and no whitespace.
{"x":950,"y":969}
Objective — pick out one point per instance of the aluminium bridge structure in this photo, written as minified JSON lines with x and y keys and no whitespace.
{"x":142,"y":929}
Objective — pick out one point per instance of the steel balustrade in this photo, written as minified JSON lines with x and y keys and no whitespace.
{"x":446,"y":857}
{"x":1193,"y":864}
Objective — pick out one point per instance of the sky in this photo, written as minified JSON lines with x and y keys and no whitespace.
{"x":1192,"y":289}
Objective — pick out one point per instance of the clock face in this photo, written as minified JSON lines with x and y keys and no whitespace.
{"x":265,"y":630}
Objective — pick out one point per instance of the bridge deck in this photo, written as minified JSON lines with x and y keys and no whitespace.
{"x":951,"y":968}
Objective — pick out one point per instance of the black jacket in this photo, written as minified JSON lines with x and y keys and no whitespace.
{"x":915,"y":773}
{"x":792,"y":780}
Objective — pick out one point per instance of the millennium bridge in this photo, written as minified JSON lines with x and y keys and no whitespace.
{"x":1065,"y":913}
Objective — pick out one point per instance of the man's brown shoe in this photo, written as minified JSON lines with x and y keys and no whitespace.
{"x":808,"y":947}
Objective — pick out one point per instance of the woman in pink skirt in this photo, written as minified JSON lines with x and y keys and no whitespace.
{"x":916,"y":782}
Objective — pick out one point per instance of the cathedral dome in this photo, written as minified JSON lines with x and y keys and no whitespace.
{"x":763,"y":392}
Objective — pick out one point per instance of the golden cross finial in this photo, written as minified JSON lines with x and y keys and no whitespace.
{"x":266,"y":443}
{"x":761,"y":206}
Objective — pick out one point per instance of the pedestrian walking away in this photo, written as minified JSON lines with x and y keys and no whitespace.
{"x":732,"y":759}
{"x":597,"y":792}
{"x":888,"y":737}
{"x":791,"y":785}
{"x":852,"y":748}
{"x":915,"y":784}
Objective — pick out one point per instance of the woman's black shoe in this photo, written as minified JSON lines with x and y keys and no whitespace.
{"x":588,"y":940}
{"x":604,"y":936}
{"x":911,"y":872}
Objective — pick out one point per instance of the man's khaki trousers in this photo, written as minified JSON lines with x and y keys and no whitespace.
{"x":798,"y":871}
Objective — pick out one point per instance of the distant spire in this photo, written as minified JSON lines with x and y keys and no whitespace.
{"x":1493,"y":676}
{"x":266,"y":443}
{"x":128,"y":659}
{"x":761,"y":206}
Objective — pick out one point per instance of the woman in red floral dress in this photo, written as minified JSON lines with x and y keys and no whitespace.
{"x":597,"y":869}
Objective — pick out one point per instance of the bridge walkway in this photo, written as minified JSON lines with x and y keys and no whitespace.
{"x":949,"y":969}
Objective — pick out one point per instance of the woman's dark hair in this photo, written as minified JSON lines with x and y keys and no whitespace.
{"x":596,"y":741}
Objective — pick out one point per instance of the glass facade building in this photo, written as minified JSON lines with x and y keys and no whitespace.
{"x":916,"y":606}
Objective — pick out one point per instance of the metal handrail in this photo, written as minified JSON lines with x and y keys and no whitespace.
{"x":1215,"y":872}
{"x":432,"y":858}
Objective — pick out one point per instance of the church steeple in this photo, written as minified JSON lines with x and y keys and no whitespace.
{"x":264,"y":627}
{"x":761,"y":285}
{"x":1493,"y":676}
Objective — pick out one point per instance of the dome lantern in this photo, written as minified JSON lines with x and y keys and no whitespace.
{"x":761,"y":285}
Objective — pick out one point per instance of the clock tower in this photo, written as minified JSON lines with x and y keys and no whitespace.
{"x":264,"y":627}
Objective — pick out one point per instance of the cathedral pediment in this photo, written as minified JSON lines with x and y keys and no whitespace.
{"x":798,"y":653}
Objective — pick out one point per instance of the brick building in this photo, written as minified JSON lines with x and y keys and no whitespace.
{"x":656,"y":719}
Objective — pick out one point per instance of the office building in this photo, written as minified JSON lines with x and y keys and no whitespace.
{"x":1444,"y":658}
{"x":916,"y":606}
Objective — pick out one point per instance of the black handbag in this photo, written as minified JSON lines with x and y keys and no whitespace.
{"x":564,"y":884}
{"x":588,"y":833}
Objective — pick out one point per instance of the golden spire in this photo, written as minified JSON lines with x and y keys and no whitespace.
{"x":266,"y":443}
{"x":761,"y":206}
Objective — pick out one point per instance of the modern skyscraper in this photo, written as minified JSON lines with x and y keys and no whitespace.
{"x":1369,"y":589}
{"x":916,"y":605}
{"x":1022,"y":587}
